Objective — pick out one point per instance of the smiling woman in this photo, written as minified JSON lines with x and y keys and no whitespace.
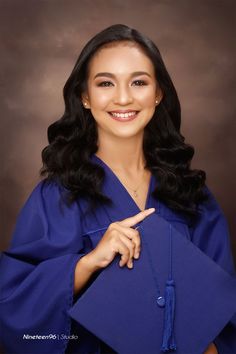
{"x":118,"y":195}
{"x":103,"y":85}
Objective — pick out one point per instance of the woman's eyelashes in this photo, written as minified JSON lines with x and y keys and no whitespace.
{"x":140,"y":83}
{"x":134,"y":83}
{"x":105,"y":84}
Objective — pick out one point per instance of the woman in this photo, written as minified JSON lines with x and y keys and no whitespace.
{"x":113,"y":156}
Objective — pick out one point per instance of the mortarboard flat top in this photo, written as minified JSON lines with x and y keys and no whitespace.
{"x":120,"y":307}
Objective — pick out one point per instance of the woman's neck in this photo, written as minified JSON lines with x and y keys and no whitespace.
{"x":122,"y":154}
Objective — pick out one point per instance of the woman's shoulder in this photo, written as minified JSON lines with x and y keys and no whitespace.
{"x":47,"y":186}
{"x":48,"y":198}
{"x":46,"y":190}
{"x":210,"y":205}
{"x":207,"y":209}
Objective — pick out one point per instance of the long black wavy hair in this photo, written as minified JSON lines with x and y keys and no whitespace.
{"x":73,"y":138}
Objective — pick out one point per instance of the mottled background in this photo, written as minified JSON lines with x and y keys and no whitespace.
{"x":40,"y":41}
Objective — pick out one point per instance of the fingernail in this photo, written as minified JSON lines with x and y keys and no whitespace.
{"x":151,"y":209}
{"x":136,"y":255}
{"x":131,"y":265}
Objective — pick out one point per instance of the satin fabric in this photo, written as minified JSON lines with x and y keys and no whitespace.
{"x":37,"y":271}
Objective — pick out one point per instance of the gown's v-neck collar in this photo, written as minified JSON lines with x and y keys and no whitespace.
{"x":131,"y":204}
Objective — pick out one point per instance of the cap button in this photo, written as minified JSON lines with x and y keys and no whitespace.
{"x":161,"y":301}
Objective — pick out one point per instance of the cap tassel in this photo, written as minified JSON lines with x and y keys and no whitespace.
{"x":168,"y":341}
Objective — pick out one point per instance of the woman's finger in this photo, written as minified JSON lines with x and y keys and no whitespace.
{"x":131,"y":221}
{"x":132,"y":235}
{"x":124,"y":251}
{"x":131,"y":247}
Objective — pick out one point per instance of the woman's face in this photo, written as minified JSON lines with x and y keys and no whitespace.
{"x":121,"y":90}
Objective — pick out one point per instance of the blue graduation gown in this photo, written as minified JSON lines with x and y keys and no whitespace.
{"x":37,"y":271}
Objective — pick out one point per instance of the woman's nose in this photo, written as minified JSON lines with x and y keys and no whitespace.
{"x":123,"y":95}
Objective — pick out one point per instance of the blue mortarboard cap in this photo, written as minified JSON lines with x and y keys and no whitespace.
{"x":124,"y":308}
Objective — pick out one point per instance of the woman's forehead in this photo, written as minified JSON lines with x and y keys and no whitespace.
{"x":110,"y":58}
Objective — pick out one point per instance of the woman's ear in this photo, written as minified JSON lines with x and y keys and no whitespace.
{"x":159,"y":96}
{"x":85,"y":100}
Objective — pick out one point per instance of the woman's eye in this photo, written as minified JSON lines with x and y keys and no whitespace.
{"x":105,"y":83}
{"x":139,"y":83}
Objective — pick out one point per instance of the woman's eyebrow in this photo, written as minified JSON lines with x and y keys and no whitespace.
{"x":136,"y":73}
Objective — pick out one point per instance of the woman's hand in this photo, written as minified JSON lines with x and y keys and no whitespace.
{"x":211,"y":349}
{"x":120,"y":238}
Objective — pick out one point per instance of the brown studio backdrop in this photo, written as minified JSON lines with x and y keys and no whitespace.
{"x":40,"y":41}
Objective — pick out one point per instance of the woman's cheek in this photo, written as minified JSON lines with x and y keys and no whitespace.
{"x":100,"y":99}
{"x":146,"y":97}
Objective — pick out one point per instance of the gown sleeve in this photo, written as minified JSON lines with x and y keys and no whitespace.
{"x":211,"y":234}
{"x":37,"y":274}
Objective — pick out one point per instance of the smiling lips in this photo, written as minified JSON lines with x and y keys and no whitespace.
{"x":124,"y":115}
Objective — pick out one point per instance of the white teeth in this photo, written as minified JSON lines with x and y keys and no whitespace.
{"x":123,"y":115}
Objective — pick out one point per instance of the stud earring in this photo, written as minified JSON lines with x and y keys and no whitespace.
{"x":157,"y":101}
